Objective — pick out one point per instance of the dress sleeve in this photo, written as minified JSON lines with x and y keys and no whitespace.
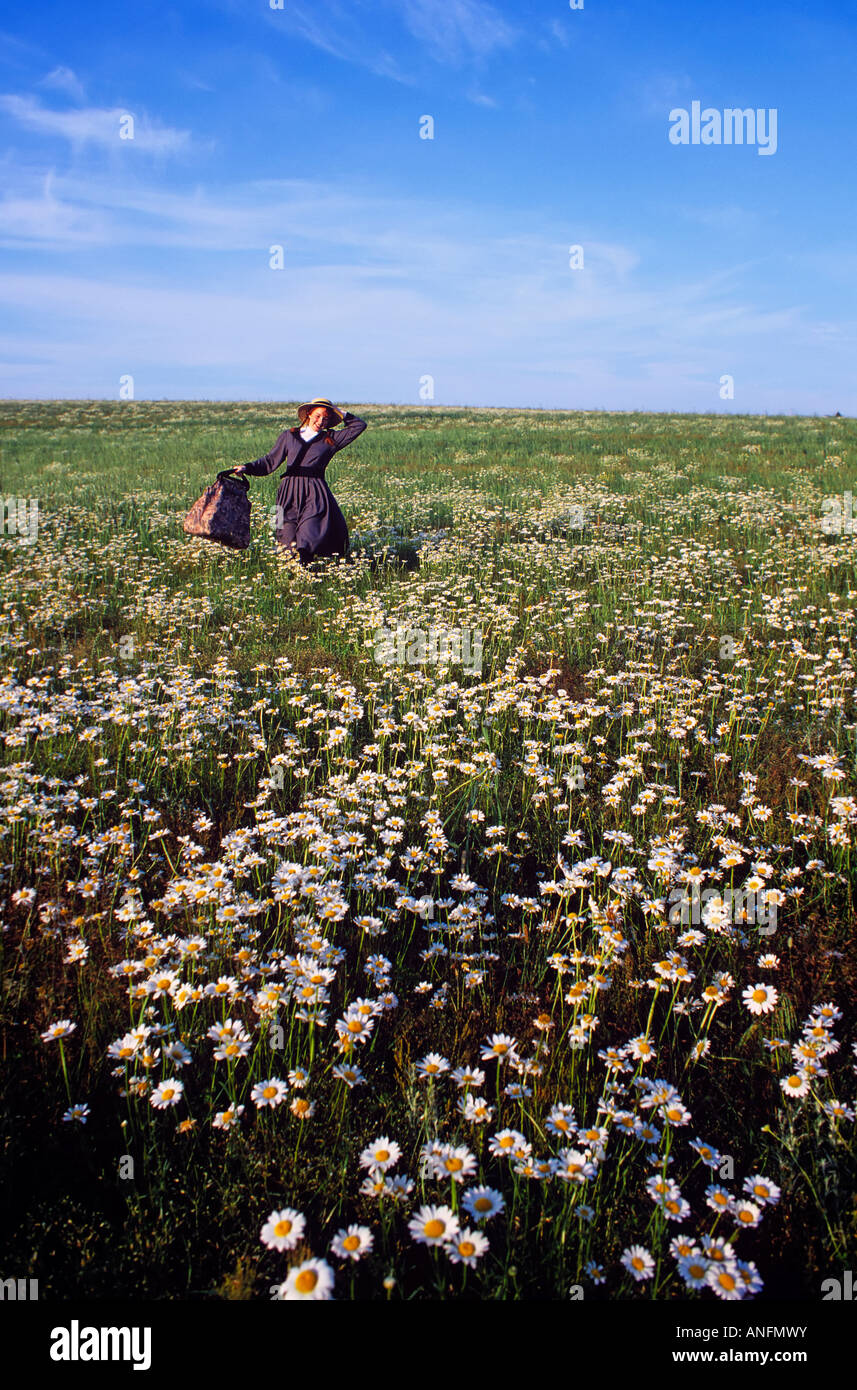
{"x":352,"y":426}
{"x":268,"y":462}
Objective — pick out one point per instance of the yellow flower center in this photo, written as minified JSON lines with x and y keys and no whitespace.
{"x":726,"y":1280}
{"x":453,"y":1165}
{"x":466,"y":1248}
{"x":482,"y":1204}
{"x":283,"y":1228}
{"x":268,"y":1092}
{"x":696,"y":1271}
{"x":434,"y":1229}
{"x":306,"y":1281}
{"x":351,"y":1242}
{"x":759,"y":996}
{"x":382,"y":1155}
{"x":355,"y":1025}
{"x":745,"y":1215}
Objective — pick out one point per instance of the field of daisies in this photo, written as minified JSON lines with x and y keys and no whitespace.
{"x":472,"y":920}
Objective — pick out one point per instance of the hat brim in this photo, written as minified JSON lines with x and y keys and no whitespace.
{"x":309,"y":406}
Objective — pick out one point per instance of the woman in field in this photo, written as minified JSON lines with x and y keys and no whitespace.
{"x":308,"y":517}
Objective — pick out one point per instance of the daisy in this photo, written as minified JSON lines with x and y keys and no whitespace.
{"x":456,"y":1163}
{"x":795,"y":1085}
{"x":283,"y":1230}
{"x":78,"y":1112}
{"x":561,"y":1121}
{"x":838,"y":1110}
{"x":433,"y":1225}
{"x":760,"y":999}
{"x":352,"y":1243}
{"x":351,"y":1075}
{"x":57,"y":1031}
{"x":641,"y":1049}
{"x":301,"y":1107}
{"x":481,"y":1203}
{"x":749,"y":1276}
{"x":509,"y":1143}
{"x":746,"y":1213}
{"x":675,"y":1113}
{"x":123,"y":1049}
{"x":227,"y":1119}
{"x":762,"y":1189}
{"x":311,"y":1280}
{"x":574,"y":1166}
{"x":475,"y":1109}
{"x":710,"y":1156}
{"x":269,"y":1093}
{"x":382,"y":1154}
{"x":638,"y":1262}
{"x":466,"y":1247}
{"x":726,"y":1281}
{"x":168,"y":1093}
{"x":718,"y":1250}
{"x":499,"y":1048}
{"x":432,"y":1065}
{"x":399,"y":1187}
{"x":693,"y":1269}
{"x":595,"y":1272}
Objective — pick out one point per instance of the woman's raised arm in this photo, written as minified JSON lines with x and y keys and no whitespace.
{"x":352,"y":426}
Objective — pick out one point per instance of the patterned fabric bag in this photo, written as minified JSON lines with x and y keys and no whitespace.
{"x":222,"y":513}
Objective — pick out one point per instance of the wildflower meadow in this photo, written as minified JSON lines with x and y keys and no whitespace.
{"x":469,"y":920}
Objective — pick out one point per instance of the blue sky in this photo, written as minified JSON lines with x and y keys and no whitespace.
{"x":406,"y":258}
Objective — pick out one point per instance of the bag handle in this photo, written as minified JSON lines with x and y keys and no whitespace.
{"x":236,"y":478}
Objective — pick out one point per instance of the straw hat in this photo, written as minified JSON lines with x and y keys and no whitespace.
{"x":309,"y":406}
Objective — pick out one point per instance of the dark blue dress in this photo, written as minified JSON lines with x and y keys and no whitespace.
{"x":308,"y":516}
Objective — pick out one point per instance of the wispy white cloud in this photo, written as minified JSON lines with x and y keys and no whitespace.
{"x":94,"y":125}
{"x":501,"y":343}
{"x":481,"y":99}
{"x":62,"y":79}
{"x":337,"y":31}
{"x":456,"y":31}
{"x":728,"y":218}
